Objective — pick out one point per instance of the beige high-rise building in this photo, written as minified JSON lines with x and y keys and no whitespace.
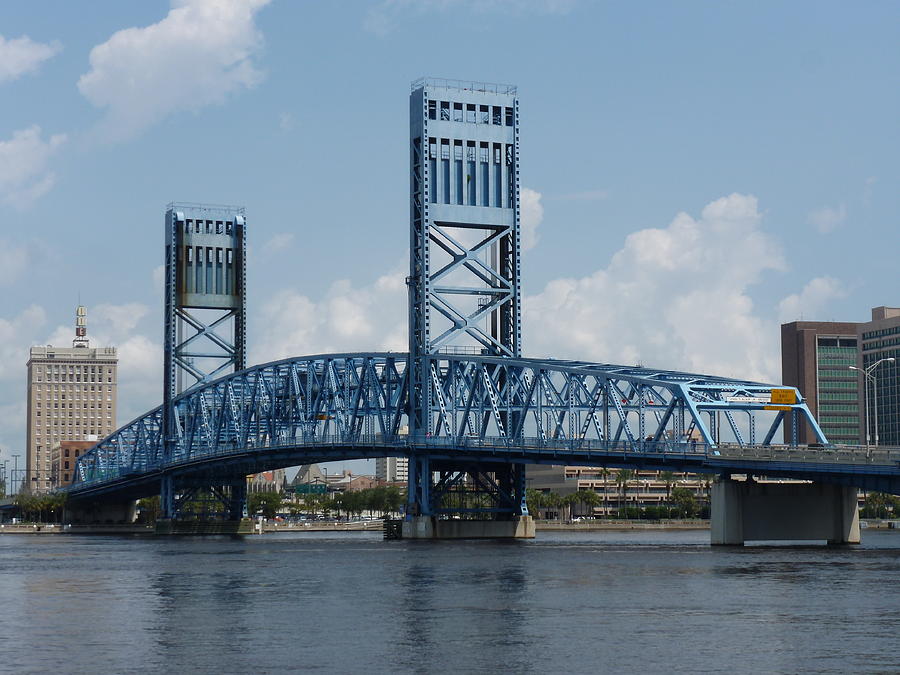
{"x":392,"y":469}
{"x":71,"y":397}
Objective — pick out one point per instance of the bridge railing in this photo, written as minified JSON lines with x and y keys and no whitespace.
{"x":402,"y":444}
{"x":322,"y":447}
{"x":828,"y":454}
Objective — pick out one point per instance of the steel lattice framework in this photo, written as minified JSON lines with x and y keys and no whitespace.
{"x":487,"y":411}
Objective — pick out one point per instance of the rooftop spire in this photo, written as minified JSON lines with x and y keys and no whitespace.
{"x":81,"y":339}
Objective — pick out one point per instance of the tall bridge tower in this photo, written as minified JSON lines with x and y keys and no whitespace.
{"x":464,"y":267}
{"x":205,"y":313}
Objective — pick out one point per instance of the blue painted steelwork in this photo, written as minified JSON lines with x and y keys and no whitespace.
{"x":476,"y":411}
{"x":464,"y":277}
{"x":490,"y":413}
{"x":205,"y":313}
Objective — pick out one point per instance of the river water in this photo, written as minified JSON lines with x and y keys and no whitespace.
{"x":608,"y":602}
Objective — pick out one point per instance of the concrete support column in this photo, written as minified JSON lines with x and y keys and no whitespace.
{"x":166,"y":497}
{"x":749,"y":511}
{"x":238,"y":505}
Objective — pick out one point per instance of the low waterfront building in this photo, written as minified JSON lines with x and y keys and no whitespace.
{"x":63,"y":457}
{"x":641,"y":489}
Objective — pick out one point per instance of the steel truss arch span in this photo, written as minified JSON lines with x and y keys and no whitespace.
{"x":359,"y":403}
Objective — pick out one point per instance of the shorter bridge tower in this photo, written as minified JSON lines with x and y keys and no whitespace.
{"x":205,"y":325}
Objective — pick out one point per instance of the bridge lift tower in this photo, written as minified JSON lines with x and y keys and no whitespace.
{"x":464,"y":276}
{"x":205,"y":324}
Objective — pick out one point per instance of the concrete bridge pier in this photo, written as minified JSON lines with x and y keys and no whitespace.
{"x":429,"y":527}
{"x":105,"y":513}
{"x":745,"y":511}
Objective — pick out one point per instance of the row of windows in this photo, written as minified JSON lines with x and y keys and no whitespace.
{"x":471,"y":113}
{"x":209,"y":270}
{"x":835,"y":361}
{"x":77,"y":433}
{"x":842,"y":432}
{"x":74,"y":378}
{"x":471,"y":174}
{"x":830,"y":407}
{"x":838,"y":397}
{"x":871,"y":358}
{"x":852,"y":384}
{"x":824,"y":372}
{"x":880,"y":344}
{"x":208,"y":226}
{"x":825,"y":348}
{"x":838,"y":419}
{"x":81,"y":405}
{"x":76,"y":424}
{"x":879,"y":333}
{"x":55,"y":368}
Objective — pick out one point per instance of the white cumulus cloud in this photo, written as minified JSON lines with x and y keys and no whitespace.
{"x":278,"y":242}
{"x":13,"y":261}
{"x":531,"y":216}
{"x":347,"y":318}
{"x":827,"y":219}
{"x":22,"y":55}
{"x":199,"y":53}
{"x":17,"y":334}
{"x":674,"y":297}
{"x":24,"y":166}
{"x":381,"y":17}
{"x":814,"y":297}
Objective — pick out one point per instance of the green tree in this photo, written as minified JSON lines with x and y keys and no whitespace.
{"x":266,"y":502}
{"x":879,"y":505}
{"x":149,"y":509}
{"x":534,"y":499}
{"x":553,"y":500}
{"x":685,"y":501}
{"x":569,"y":501}
{"x":590,"y":499}
{"x":394,"y":499}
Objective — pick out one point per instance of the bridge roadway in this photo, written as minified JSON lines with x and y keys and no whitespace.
{"x":483,"y":411}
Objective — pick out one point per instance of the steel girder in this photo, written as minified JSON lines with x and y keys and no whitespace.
{"x":362,"y":400}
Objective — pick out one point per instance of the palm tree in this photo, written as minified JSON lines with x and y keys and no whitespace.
{"x":553,"y":501}
{"x":605,"y":473}
{"x":570,"y":500}
{"x":622,"y":478}
{"x":590,"y":499}
{"x":668,"y":477}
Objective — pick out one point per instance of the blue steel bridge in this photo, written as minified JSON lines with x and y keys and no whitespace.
{"x":489,"y":411}
{"x":462,"y":404}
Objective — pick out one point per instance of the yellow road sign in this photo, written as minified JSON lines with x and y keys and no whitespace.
{"x":784,"y":396}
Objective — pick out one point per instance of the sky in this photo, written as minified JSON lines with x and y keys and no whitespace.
{"x":694,"y":174}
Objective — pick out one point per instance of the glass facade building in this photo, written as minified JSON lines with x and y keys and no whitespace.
{"x":880,"y":339}
{"x":816,"y":357}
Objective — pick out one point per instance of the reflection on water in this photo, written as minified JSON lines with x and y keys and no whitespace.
{"x":349,"y":602}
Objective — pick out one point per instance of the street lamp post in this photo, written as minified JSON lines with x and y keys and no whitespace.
{"x":869,"y":374}
{"x":15,"y":471}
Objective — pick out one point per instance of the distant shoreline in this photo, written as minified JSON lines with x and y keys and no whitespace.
{"x":376,"y":526}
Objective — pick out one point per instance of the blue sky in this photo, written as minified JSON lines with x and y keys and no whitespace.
{"x":696,"y":172}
